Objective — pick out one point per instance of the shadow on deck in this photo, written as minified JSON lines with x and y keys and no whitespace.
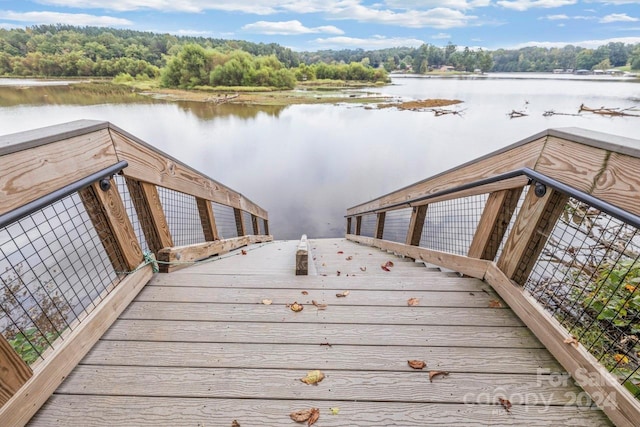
{"x":198,"y":347}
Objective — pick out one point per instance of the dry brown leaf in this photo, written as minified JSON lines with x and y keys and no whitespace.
{"x":296,"y":307}
{"x":349,"y":258}
{"x":342,"y":294}
{"x":267,"y":301}
{"x":494,"y":303}
{"x":413,"y":301}
{"x":305,"y":293}
{"x":319,"y":306}
{"x":235,"y":423}
{"x":433,"y":374}
{"x":505,"y":404}
{"x":244,"y":252}
{"x":340,"y":252}
{"x":363,"y":268}
{"x":301,"y":416}
{"x":387,"y":266}
{"x":315,"y":414}
{"x":572,"y":340}
{"x":313,"y":377}
{"x":417,"y":364}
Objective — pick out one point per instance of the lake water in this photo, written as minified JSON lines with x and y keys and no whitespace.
{"x":306,"y":164}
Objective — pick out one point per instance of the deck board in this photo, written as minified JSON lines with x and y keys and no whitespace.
{"x":197,"y":347}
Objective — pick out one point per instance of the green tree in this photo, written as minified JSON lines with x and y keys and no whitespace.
{"x":187,"y":69}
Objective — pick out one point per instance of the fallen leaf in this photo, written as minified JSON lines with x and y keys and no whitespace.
{"x":494,"y":303}
{"x":505,"y":404}
{"x":621,"y":358}
{"x":315,"y":414}
{"x":244,"y":252}
{"x":267,"y":301}
{"x":413,"y":301}
{"x":319,"y":306}
{"x":349,"y":258}
{"x":313,"y":377}
{"x":433,"y":374}
{"x":301,"y":416}
{"x":387,"y":266}
{"x":572,"y":340}
{"x":342,"y":294}
{"x":363,"y":268}
{"x":235,"y":423}
{"x":417,"y":364}
{"x":337,"y":273}
{"x":296,"y":307}
{"x":340,"y":252}
{"x":305,"y":293}
{"x":334,"y":411}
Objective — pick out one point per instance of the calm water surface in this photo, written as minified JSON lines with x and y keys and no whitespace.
{"x":307,"y":164}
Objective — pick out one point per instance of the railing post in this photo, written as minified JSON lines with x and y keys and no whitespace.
{"x":265,"y":222}
{"x":380,"y":224}
{"x":152,"y":219}
{"x":255,"y":225}
{"x":531,"y":229}
{"x":416,"y":224}
{"x":110,"y":219}
{"x":358,"y":225}
{"x":349,"y":225}
{"x":493,"y":223}
{"x":237,"y":213}
{"x":207,"y":219}
{"x":14,"y":372}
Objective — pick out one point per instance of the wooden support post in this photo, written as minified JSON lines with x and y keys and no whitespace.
{"x":416,"y":224}
{"x":493,"y":223}
{"x":110,"y":219}
{"x":358,"y":225}
{"x":380,"y":224}
{"x":237,"y":213}
{"x":535,"y":221}
{"x":254,"y":224}
{"x":207,"y":219}
{"x":266,"y":226}
{"x":302,"y":257}
{"x":349,"y":225}
{"x":154,"y":225}
{"x":14,"y":372}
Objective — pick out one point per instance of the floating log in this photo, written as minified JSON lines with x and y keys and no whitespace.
{"x":609,"y":111}
{"x":515,"y":114}
{"x":549,"y":113}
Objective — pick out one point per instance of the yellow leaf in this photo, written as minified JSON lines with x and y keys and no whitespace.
{"x":296,"y":307}
{"x":413,"y":301}
{"x":621,"y":358}
{"x":630,"y":288}
{"x":334,"y":411}
{"x":313,"y":377}
{"x":267,"y":301}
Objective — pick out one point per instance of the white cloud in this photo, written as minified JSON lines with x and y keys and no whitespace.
{"x":8,"y":26}
{"x":192,"y":33}
{"x":441,"y":36}
{"x":80,"y":19}
{"x":589,"y":44}
{"x":618,"y":17}
{"x":256,"y":7}
{"x":441,"y":18}
{"x":426,"y":4}
{"x":618,"y":2}
{"x":375,"y":42}
{"x":522,"y":5}
{"x":555,"y":17}
{"x":288,"y":28}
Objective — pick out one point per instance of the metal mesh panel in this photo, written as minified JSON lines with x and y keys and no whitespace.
{"x":511,"y":222}
{"x":53,"y":271}
{"x":225,"y":221}
{"x":588,"y":277}
{"x":131,"y":210}
{"x":368,"y":226}
{"x":248,"y":224}
{"x":182,"y":215}
{"x":396,"y":225}
{"x":450,"y":225}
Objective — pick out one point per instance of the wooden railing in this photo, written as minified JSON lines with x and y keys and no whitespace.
{"x":39,"y":169}
{"x":568,"y":172}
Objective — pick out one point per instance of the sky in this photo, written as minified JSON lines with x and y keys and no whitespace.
{"x":311,"y":25}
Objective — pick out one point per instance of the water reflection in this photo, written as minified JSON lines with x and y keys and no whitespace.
{"x":306,"y":164}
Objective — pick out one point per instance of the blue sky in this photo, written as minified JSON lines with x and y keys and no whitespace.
{"x":348,"y":24}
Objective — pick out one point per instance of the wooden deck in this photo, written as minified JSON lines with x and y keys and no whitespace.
{"x":197,"y":347}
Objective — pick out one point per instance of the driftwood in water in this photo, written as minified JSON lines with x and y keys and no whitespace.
{"x":515,"y":114}
{"x":222,"y":99}
{"x":442,"y":112}
{"x":608,"y":111}
{"x":554,"y":113}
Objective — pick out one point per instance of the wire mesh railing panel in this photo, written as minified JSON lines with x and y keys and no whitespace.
{"x":511,"y":222}
{"x":588,"y":278}
{"x":54,"y":269}
{"x":396,"y":225}
{"x":129,"y":205}
{"x":368,"y":225}
{"x":450,"y":225}
{"x":183,"y":218}
{"x":225,"y":220}
{"x":248,"y":222}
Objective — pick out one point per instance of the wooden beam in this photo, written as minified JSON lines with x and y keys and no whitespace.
{"x":237,"y":213}
{"x":152,"y":219}
{"x":54,"y":369}
{"x":302,"y":257}
{"x":358,"y":225}
{"x":380,"y":217}
{"x":619,"y":183}
{"x":184,"y":256}
{"x":255,"y":225}
{"x":110,"y":219}
{"x":493,"y":223}
{"x":416,"y":225}
{"x":14,"y":372}
{"x":207,"y":219}
{"x":605,"y":390}
{"x":535,"y":221}
{"x":266,"y":226}
{"x":462,"y":264}
{"x":349,"y":225}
